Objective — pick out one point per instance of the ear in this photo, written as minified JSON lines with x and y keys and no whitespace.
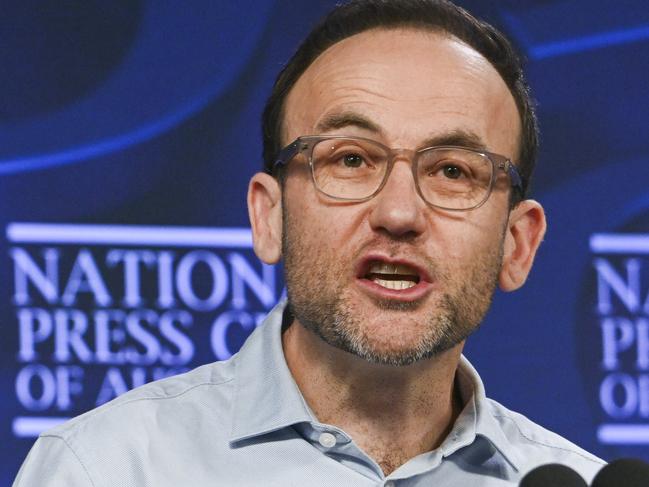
{"x":525,"y":231}
{"x":265,"y":212}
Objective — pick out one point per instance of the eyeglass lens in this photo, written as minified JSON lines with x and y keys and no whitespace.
{"x":451,"y":178}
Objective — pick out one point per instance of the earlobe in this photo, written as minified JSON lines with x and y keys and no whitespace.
{"x":525,"y":231}
{"x":265,"y":212}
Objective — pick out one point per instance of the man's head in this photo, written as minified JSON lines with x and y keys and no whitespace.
{"x":429,"y":15}
{"x":392,"y":279}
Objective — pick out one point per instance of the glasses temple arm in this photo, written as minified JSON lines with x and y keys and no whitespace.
{"x":514,"y":176}
{"x":286,"y":154}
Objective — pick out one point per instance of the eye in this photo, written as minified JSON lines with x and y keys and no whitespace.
{"x":352,"y":160}
{"x":452,"y":172}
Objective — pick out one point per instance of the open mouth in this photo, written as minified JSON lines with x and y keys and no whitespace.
{"x":392,"y":276}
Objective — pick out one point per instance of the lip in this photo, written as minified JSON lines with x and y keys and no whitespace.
{"x":414,"y":293}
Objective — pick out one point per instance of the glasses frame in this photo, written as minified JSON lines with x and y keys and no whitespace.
{"x":306,"y":144}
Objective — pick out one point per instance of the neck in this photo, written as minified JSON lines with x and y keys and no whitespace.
{"x":392,"y":413}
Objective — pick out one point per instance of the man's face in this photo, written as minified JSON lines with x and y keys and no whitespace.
{"x":403,"y":88}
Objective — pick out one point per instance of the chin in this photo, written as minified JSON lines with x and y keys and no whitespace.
{"x":398,"y":349}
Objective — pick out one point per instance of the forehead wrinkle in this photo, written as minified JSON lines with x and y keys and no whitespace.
{"x":348,"y":86}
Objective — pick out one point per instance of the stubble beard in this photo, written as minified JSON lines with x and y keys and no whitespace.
{"x":317,"y":299}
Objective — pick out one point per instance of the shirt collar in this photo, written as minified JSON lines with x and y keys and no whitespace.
{"x":266,"y":398}
{"x":477,"y":417}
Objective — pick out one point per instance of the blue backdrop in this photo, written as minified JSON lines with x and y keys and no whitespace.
{"x":129,"y":130}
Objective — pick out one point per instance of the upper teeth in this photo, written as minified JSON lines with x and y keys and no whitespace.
{"x":385,"y":268}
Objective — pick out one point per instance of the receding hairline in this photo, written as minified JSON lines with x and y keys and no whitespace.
{"x":427,"y":29}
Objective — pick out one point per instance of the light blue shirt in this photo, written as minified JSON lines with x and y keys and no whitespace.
{"x":244,"y":422}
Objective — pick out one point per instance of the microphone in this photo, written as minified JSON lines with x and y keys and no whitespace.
{"x":626,"y":472}
{"x":553,"y":474}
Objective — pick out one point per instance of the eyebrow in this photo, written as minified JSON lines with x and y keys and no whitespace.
{"x":340,"y":120}
{"x":455,"y":137}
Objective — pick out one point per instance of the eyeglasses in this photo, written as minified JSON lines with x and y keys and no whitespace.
{"x":356,"y":169}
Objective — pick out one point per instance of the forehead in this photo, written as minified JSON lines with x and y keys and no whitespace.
{"x":412,"y":84}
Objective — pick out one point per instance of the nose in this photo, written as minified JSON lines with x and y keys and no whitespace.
{"x":398,"y":209}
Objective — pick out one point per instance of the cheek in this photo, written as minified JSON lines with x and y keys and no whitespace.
{"x":315,"y":219}
{"x":471,"y":239}
{"x":326,"y":234}
{"x":309,"y":230}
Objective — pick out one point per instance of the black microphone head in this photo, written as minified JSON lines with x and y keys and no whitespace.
{"x":624,"y":472}
{"x":551,"y":475}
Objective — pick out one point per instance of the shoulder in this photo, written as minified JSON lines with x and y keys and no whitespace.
{"x":538,"y":445}
{"x":162,"y":420}
{"x":164,"y":396}
{"x":106,"y":442}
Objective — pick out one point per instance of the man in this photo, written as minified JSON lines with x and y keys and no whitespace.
{"x":390,"y":194}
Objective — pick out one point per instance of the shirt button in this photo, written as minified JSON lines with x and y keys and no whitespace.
{"x":389,"y":483}
{"x":327,"y":440}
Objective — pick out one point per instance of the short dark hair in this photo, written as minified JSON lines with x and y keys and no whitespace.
{"x":433,"y":15}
